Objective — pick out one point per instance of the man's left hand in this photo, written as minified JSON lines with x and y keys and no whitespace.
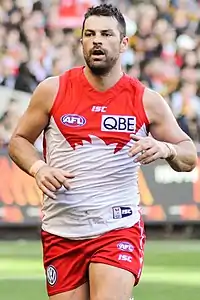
{"x":148,"y":149}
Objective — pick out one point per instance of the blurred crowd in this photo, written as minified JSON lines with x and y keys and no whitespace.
{"x":164,"y":50}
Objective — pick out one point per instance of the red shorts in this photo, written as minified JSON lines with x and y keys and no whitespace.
{"x":66,"y":261}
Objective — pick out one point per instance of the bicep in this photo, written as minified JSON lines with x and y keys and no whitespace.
{"x":163,"y":125}
{"x":36,"y":117}
{"x":32,"y":123}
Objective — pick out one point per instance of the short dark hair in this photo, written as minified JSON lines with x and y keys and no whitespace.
{"x":107,"y":10}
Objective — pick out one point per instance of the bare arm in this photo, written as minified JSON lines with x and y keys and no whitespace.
{"x":164,"y":128}
{"x":35,"y":119}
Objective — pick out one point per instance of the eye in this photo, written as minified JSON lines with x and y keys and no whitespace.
{"x":88,"y":34}
{"x":106,"y":34}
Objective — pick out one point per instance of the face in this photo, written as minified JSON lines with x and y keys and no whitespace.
{"x":102,"y":44}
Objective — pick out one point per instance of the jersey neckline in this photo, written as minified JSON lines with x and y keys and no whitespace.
{"x":113,"y":90}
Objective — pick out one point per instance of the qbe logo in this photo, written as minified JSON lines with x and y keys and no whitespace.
{"x":73,"y":120}
{"x":51,"y":274}
{"x":118,"y":123}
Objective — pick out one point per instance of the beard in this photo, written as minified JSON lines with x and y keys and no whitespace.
{"x":100,"y":67}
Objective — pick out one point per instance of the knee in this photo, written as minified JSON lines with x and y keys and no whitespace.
{"x":101,"y":296}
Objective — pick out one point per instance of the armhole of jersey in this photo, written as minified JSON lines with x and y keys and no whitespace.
{"x":143,"y":112}
{"x":60,"y":91}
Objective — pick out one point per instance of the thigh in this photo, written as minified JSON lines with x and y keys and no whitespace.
{"x":66,"y":268}
{"x":109,"y":283}
{"x":120,"y":255}
{"x":80,"y":293}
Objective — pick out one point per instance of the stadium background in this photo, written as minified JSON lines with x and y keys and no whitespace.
{"x":41,"y":38}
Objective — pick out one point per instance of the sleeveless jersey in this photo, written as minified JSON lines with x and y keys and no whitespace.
{"x":89,"y":135}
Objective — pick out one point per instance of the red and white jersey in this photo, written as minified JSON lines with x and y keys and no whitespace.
{"x":89,"y":135}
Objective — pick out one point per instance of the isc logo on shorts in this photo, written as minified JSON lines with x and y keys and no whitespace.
{"x":125,"y":257}
{"x":118,"y":123}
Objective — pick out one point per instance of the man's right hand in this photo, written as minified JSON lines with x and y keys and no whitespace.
{"x":49,"y":180}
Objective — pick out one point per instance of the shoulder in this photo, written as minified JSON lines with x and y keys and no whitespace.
{"x":134,"y":82}
{"x":45,"y":93}
{"x":151,"y":97}
{"x":49,"y":85}
{"x":155,"y":105}
{"x":73,"y":73}
{"x":52,"y":84}
{"x":134,"y":86}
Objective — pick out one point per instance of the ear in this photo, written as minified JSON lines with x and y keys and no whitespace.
{"x":124,"y":44}
{"x":81,"y":41}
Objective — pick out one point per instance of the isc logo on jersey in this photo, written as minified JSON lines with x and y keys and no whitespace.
{"x":73,"y":120}
{"x":118,"y":123}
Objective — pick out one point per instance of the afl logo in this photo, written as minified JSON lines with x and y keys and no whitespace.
{"x":125,"y":246}
{"x":73,"y":120}
{"x":51,"y":274}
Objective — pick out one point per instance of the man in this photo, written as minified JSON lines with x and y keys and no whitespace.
{"x":96,"y":122}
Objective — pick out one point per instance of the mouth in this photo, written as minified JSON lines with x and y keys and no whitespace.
{"x":98,"y":54}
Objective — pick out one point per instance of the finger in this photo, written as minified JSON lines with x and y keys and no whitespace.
{"x":148,"y":153}
{"x":136,"y":137}
{"x":62,"y":179}
{"x":49,"y":185}
{"x":150,"y":159}
{"x":59,"y":176}
{"x":67,"y":184}
{"x":134,"y":151}
{"x":46,"y":191}
{"x":55,"y":181}
{"x":67,"y":174}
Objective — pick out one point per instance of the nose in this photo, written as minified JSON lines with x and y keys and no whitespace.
{"x":97,"y":40}
{"x":96,"y":44}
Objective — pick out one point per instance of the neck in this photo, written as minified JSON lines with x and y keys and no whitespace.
{"x":104,"y":82}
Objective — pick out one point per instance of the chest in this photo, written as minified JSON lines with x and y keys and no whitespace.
{"x":111,"y":119}
{"x":82,"y":113}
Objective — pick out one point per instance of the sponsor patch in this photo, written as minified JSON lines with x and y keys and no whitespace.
{"x":120,"y":212}
{"x":125,"y":246}
{"x":118,"y":123}
{"x":125,"y":257}
{"x":73,"y":120}
{"x":99,"y":108}
{"x":51,"y":274}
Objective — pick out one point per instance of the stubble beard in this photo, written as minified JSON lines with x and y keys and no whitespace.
{"x":103,"y":68}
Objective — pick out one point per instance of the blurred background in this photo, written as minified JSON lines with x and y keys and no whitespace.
{"x":40,"y":39}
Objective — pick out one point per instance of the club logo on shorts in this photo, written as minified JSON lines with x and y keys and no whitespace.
{"x":73,"y":120}
{"x":51,"y":274}
{"x":125,"y":246}
{"x":118,"y":123}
